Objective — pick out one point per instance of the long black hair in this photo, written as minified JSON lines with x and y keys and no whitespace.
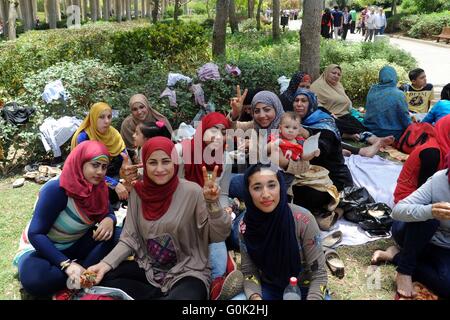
{"x":152,"y":129}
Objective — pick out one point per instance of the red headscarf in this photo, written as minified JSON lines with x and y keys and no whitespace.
{"x":156,"y":198}
{"x":90,"y":199}
{"x":193,"y":172}
{"x":442,"y":130}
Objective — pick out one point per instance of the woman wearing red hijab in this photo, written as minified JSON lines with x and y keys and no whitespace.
{"x":170,"y":222}
{"x":62,"y":229}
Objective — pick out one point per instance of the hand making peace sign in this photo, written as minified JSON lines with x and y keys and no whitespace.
{"x":211,"y":190}
{"x":237,"y":102}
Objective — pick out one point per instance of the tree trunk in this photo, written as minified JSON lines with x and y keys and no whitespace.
{"x":220,"y":29}
{"x":394,"y":7}
{"x":233,"y":18}
{"x":118,"y":10}
{"x":175,"y":11}
{"x":276,"y":20}
{"x":148,"y":14}
{"x":258,"y":15}
{"x":155,"y":11}
{"x":84,"y":9}
{"x":93,"y":10}
{"x":12,"y":16}
{"x":27,"y":14}
{"x":99,"y":9}
{"x":58,"y":10}
{"x":163,"y":8}
{"x":207,"y":9}
{"x":128,"y":2}
{"x":4,"y":13}
{"x":251,"y":8}
{"x":34,"y":9}
{"x":51,"y":12}
{"x":143,"y":8}
{"x":310,"y":38}
{"x":106,"y":10}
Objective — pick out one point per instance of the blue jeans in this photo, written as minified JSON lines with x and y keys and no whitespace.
{"x":424,"y":261}
{"x":39,"y":277}
{"x":218,"y":259}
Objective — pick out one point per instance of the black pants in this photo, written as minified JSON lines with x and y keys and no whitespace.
{"x":310,"y":198}
{"x":345,"y":30}
{"x":129,"y":277}
{"x":349,"y":124}
{"x":424,"y":261}
{"x":352,"y":26}
{"x":325,"y":32}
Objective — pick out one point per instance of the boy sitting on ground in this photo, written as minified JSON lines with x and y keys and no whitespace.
{"x":419,"y":93}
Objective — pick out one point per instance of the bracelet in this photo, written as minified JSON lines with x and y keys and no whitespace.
{"x":67,"y":263}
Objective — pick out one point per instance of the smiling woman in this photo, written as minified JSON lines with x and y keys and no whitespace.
{"x":62,"y":228}
{"x":97,"y":126}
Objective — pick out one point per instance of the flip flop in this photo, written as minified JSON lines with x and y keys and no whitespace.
{"x":334,"y":263}
{"x":332,"y":239}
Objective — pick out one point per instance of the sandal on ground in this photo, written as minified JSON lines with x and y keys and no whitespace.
{"x":326,"y":220}
{"x":334,"y":263}
{"x":332,"y":239}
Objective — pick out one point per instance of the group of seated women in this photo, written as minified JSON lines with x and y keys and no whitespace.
{"x":173,"y":241}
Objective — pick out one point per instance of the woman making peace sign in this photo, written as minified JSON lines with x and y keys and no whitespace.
{"x":168,"y":228}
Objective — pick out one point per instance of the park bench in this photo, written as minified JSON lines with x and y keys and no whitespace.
{"x":445,"y":34}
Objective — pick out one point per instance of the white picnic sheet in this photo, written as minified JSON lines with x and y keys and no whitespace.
{"x":378,"y":175}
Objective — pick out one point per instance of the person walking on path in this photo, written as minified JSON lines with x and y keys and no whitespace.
{"x":353,"y":23}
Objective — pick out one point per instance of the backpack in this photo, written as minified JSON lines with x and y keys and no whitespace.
{"x":415,"y":135}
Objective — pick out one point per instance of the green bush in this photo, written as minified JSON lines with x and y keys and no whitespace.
{"x":87,"y":82}
{"x":359,"y":76}
{"x":125,"y":43}
{"x":338,"y":52}
{"x":425,"y":25}
{"x":394,"y":22}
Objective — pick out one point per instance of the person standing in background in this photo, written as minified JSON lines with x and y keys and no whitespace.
{"x":353,"y":22}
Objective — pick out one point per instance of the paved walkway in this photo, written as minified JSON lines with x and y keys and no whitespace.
{"x":435,"y":60}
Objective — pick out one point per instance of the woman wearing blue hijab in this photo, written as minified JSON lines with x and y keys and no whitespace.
{"x":386,"y":106}
{"x":278,"y":240}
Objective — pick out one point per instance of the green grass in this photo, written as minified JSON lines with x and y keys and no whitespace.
{"x":15,"y":207}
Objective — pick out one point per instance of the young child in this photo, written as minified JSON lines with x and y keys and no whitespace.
{"x":441,"y":108}
{"x":419,"y":93}
{"x":290,"y":142}
{"x":145,"y":131}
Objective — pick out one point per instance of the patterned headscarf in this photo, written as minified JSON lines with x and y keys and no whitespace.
{"x":272,"y":100}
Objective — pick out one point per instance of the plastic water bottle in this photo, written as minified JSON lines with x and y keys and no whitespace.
{"x":292,"y":291}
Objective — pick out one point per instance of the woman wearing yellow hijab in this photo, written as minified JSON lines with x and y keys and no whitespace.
{"x":97,"y":126}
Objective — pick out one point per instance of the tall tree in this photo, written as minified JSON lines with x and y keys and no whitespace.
{"x":276,"y":19}
{"x":136,"y":8}
{"x":93,"y":7}
{"x":84,"y":9}
{"x":106,"y":9}
{"x":394,"y":7}
{"x":4,"y":12}
{"x":258,"y":15}
{"x":12,"y":16}
{"x":310,"y":38}
{"x":52,"y":13}
{"x":155,"y":11}
{"x":207,"y":9}
{"x":251,"y":8}
{"x":118,"y":10}
{"x":27,"y":14}
{"x":220,"y":29}
{"x":234,"y":24}
{"x":128,"y":9}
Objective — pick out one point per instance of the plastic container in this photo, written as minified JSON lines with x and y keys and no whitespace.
{"x":292,"y":291}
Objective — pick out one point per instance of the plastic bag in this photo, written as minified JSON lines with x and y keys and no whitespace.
{"x":352,"y":198}
{"x":16,"y":114}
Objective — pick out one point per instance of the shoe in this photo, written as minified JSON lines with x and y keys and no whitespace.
{"x":326,"y":220}
{"x":334,"y":263}
{"x":18,"y":183}
{"x":228,"y":287}
{"x":332,"y":239}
